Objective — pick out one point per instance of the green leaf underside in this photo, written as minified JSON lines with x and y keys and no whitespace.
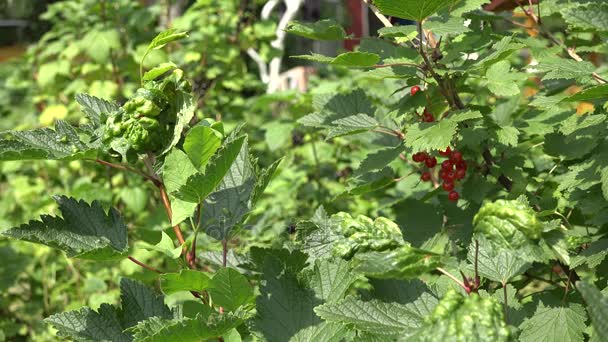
{"x":85,"y":231}
{"x":185,"y":105}
{"x":165,"y":246}
{"x":412,"y":10}
{"x":347,"y":59}
{"x":166,"y":37}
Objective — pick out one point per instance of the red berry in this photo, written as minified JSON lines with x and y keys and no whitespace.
{"x":449,"y":176}
{"x":416,"y":157}
{"x":448,"y":186}
{"x":456,"y":156}
{"x":460,"y":173}
{"x":446,"y":153}
{"x":414,"y":90}
{"x":425,"y":177}
{"x":461,"y":165}
{"x":428,"y":118}
{"x":447,"y":165}
{"x":453,"y":196}
{"x":430,"y":162}
{"x":442,"y":174}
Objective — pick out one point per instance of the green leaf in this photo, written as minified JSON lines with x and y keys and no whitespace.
{"x":107,"y":324}
{"x":283,"y":302}
{"x":593,"y":255}
{"x":597,"y":306}
{"x":62,"y":143}
{"x":501,"y":81}
{"x":398,"y":31}
{"x":200,"y":144}
{"x":166,"y":37}
{"x":326,"y":332}
{"x":185,"y":106}
{"x":378,"y":160}
{"x":452,"y":26}
{"x":497,"y":265}
{"x":158,"y":71}
{"x":502,"y":49}
{"x":263,"y":179}
{"x":331,"y":279}
{"x":560,"y":323}
{"x":140,"y":303}
{"x":430,"y":136}
{"x":85,"y":231}
{"x":330,"y":108}
{"x":437,"y":135}
{"x":561,"y":68}
{"x":100,"y":44}
{"x":591,"y":16}
{"x":229,"y":204}
{"x":177,"y":168}
{"x":373,"y":316}
{"x":200,"y":328}
{"x":95,"y":107}
{"x":412,"y":10}
{"x":87,"y":325}
{"x":465,"y":318}
{"x":402,"y":263}
{"x":230,"y":289}
{"x":589,"y":94}
{"x":165,"y":246}
{"x":185,"y":280}
{"x":351,"y":59}
{"x":321,"y":30}
{"x":200,"y":185}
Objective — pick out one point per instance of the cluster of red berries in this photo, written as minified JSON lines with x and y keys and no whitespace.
{"x":452,"y":169}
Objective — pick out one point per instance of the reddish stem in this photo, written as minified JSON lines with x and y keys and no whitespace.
{"x":148,"y":267}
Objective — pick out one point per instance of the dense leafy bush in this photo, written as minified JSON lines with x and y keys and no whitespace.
{"x":446,"y":181}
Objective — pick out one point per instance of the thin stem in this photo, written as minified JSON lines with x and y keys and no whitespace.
{"x":125,"y":168}
{"x":224,"y":252}
{"x":379,"y":15}
{"x":150,"y":268}
{"x":451,"y":276}
{"x":167,"y":204}
{"x":399,"y":64}
{"x":191,"y":256}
